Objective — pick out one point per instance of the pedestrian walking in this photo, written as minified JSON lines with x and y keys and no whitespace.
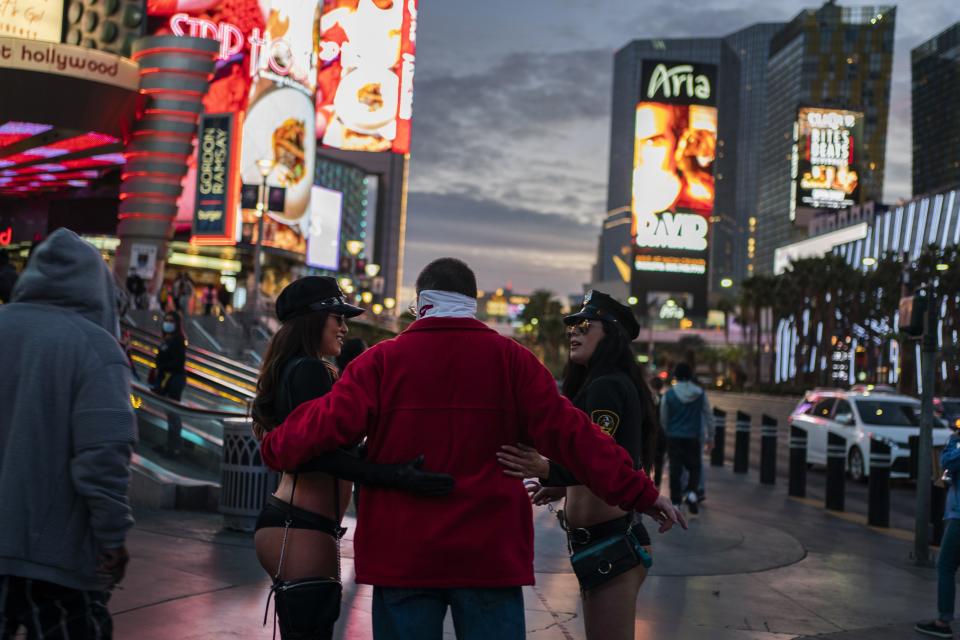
{"x":165,"y":298}
{"x":136,"y":288}
{"x":660,"y":453}
{"x":183,"y":289}
{"x":8,"y":276}
{"x":298,"y":531}
{"x":209,"y":298}
{"x":223,"y":298}
{"x":949,"y":558}
{"x":686,"y":414}
{"x":169,"y":376}
{"x":66,"y":438}
{"x":455,"y":390}
{"x":603,"y":379}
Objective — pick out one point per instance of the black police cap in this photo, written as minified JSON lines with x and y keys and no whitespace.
{"x":311,"y":294}
{"x":601,"y":306}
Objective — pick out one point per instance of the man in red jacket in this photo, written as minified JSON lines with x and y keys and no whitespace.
{"x":455,"y":390}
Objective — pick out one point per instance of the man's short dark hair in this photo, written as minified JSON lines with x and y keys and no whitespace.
{"x":448,"y":274}
{"x":683,"y":372}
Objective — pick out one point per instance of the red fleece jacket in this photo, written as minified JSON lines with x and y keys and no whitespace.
{"x":454,"y":390}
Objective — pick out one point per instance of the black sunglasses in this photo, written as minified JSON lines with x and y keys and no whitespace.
{"x":579,"y":329}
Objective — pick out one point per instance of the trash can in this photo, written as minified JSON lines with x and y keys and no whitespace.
{"x":245,"y":482}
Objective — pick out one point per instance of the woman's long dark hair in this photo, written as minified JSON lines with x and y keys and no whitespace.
{"x":613,"y":354}
{"x":297,"y":337}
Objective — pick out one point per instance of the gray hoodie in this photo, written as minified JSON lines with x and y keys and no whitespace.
{"x":66,"y":424}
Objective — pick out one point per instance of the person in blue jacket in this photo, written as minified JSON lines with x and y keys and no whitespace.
{"x":949,"y":559}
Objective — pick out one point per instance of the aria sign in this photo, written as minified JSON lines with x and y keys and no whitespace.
{"x":679,"y":81}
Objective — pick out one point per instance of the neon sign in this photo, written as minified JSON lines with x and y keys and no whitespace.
{"x":6,"y":237}
{"x":265,"y":53}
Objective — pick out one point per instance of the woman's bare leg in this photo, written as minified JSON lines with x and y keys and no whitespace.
{"x":309,"y":554}
{"x":610,"y":610}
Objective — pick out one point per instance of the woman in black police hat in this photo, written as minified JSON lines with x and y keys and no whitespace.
{"x":298,"y":532}
{"x":610,"y":548}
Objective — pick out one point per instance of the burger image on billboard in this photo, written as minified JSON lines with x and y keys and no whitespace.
{"x":827,"y":149}
{"x":675,"y":146}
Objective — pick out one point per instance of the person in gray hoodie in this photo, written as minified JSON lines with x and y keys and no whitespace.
{"x":66,"y":437}
{"x":685,"y":414}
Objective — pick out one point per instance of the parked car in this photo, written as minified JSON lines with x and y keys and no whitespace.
{"x":860,"y":417}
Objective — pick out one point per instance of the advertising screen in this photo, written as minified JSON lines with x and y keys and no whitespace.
{"x":675,"y":142}
{"x":365,"y":82}
{"x":827,"y":150}
{"x":323,"y":244}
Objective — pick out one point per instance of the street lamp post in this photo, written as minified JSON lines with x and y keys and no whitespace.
{"x":354,"y":247}
{"x":265,"y":166}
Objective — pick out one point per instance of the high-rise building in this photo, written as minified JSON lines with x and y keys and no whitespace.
{"x":752,"y":47}
{"x":824,"y":137}
{"x":935,"y":67}
{"x":740,"y":62}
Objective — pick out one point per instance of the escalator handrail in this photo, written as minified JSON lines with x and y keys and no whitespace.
{"x":154,"y":343}
{"x":231,"y":367}
{"x":204,"y":377}
{"x":186,"y":410}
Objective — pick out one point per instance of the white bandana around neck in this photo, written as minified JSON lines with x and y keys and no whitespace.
{"x":445,"y":304}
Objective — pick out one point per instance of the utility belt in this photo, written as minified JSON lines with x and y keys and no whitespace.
{"x":603,"y":551}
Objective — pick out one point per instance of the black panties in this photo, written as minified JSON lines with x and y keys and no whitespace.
{"x":276,"y":513}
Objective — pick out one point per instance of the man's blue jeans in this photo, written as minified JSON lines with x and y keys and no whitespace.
{"x":947,"y":564}
{"x":478,"y":614}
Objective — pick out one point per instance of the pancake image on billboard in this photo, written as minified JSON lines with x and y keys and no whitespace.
{"x":827,"y":149}
{"x":675,"y":143}
{"x":365,"y":83}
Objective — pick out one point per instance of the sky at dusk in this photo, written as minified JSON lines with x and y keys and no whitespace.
{"x":511,"y":123}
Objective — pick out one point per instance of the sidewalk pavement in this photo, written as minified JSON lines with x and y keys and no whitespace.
{"x":753,"y":565}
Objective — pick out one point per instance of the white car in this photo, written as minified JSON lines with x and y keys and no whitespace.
{"x":858,"y":416}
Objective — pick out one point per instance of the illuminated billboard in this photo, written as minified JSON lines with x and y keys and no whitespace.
{"x":675,"y":143}
{"x":323,"y":244}
{"x":827,"y":149}
{"x":367,"y":52}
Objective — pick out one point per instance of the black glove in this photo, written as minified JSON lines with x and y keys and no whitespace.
{"x":408,"y":476}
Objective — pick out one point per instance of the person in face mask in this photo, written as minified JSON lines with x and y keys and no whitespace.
{"x":171,"y":376}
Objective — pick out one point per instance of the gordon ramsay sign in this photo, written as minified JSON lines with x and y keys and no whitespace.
{"x":675,"y":141}
{"x":214,"y":220}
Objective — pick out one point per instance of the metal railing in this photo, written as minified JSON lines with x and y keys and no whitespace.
{"x":244,"y":480}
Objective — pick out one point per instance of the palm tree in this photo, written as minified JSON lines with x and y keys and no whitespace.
{"x":726,"y":305}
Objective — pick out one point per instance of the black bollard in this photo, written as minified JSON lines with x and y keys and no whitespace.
{"x":798,"y":462}
{"x":741,"y":451}
{"x":836,"y":471}
{"x":719,"y":437}
{"x":768,"y":450}
{"x":878,"y":507}
{"x":938,"y":503}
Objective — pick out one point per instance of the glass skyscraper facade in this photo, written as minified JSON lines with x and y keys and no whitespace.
{"x":832,"y":57}
{"x":935,"y":67}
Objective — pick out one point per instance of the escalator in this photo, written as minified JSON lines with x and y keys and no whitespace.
{"x":219,"y":393}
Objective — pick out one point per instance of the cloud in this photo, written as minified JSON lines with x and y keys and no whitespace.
{"x":517,"y":132}
{"x":500,"y":242}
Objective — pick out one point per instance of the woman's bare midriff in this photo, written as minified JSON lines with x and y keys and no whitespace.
{"x":584,"y":509}
{"x":315,"y":493}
